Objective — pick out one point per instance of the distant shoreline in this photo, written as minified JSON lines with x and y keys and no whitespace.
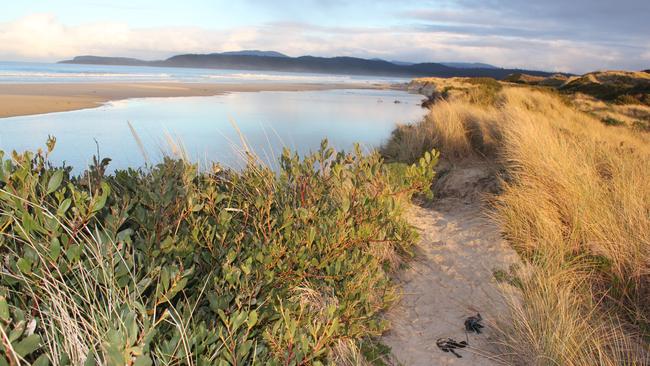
{"x":38,"y":98}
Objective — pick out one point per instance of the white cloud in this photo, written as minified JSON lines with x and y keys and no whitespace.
{"x":43,"y":37}
{"x":646,"y":56}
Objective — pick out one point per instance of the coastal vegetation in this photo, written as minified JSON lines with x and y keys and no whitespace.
{"x":573,"y":199}
{"x":169,"y":265}
{"x":615,"y":97}
{"x":621,"y":87}
{"x":172,"y":265}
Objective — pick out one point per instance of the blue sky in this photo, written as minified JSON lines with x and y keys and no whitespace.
{"x":577,"y":35}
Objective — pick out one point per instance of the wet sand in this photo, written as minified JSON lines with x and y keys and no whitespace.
{"x":26,"y":99}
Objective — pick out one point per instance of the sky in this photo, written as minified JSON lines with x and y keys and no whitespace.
{"x":555,"y":35}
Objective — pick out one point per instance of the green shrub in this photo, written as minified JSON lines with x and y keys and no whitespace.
{"x":611,"y":121}
{"x":628,"y":99}
{"x":172,"y":266}
{"x":486,"y":82}
{"x":486,"y":91}
{"x":621,"y":90}
{"x":641,"y":126}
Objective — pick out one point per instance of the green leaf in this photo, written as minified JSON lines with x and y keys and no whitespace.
{"x":143,"y":360}
{"x":64,"y":360}
{"x":252,"y":319}
{"x":64,"y":206}
{"x":243,"y":350}
{"x":238,"y":320}
{"x":55,"y":181}
{"x":42,"y":360}
{"x":90,"y":359}
{"x":132,"y":329}
{"x":55,"y":249}
{"x":4,"y":309}
{"x":28,"y":345}
{"x":101,"y":200}
{"x":24,"y":265}
{"x":114,"y":348}
{"x":73,"y":253}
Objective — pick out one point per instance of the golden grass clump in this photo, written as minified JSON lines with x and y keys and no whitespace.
{"x":550,"y":325}
{"x":458,"y":129}
{"x":577,"y":189}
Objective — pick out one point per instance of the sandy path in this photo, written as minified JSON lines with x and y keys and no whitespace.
{"x":450,"y":278}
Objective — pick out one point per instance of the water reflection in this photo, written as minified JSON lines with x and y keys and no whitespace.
{"x":204,"y":125}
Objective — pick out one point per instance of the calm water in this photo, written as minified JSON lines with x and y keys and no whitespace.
{"x":204,"y":125}
{"x":28,"y":72}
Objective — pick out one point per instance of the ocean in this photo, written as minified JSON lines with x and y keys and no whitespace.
{"x":28,"y":72}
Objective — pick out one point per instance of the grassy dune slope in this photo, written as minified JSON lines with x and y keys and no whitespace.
{"x":575,"y":203}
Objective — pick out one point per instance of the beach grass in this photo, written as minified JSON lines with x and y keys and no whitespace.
{"x":574,"y":202}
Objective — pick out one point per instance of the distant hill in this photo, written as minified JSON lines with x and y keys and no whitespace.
{"x":457,"y":65}
{"x":100,"y":60}
{"x":469,"y":65}
{"x":254,"y":53}
{"x":275,"y":61}
{"x":401,"y":62}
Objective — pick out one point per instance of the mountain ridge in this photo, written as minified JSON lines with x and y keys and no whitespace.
{"x":253,"y":53}
{"x":275,"y":61}
{"x":469,"y":65}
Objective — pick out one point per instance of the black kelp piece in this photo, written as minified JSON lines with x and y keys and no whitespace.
{"x":473,"y":324}
{"x":450,"y":345}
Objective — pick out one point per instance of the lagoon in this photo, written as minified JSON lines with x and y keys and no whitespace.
{"x":210,"y":129}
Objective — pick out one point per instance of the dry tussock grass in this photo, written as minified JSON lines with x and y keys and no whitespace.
{"x":576,"y":189}
{"x":550,"y":325}
{"x":458,"y":129}
{"x":629,"y":115}
{"x":576,"y":204}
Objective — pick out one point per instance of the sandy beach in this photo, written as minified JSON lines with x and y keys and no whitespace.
{"x":27,"y":99}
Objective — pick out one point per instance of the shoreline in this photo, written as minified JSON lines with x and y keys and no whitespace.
{"x":39,"y":98}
